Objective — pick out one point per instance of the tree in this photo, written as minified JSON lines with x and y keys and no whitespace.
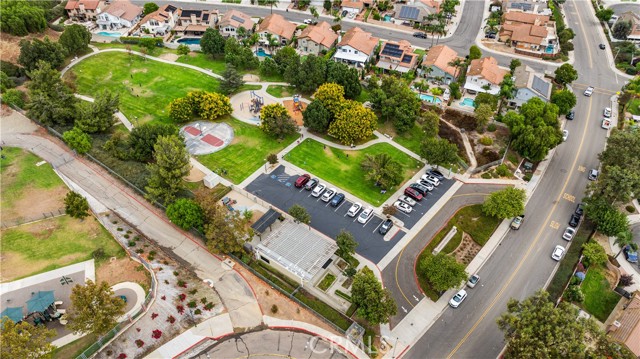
{"x":26,"y":341}
{"x":75,"y":39}
{"x":181,"y":109}
{"x":183,"y":49}
{"x":604,"y":15}
{"x":389,"y":210}
{"x":185,"y":214}
{"x":345,"y":76}
{"x":566,"y":74}
{"x":97,"y":116}
{"x":77,"y":140}
{"x":507,"y":87}
{"x":212,"y":43}
{"x":239,"y":55}
{"x":316,"y":117}
{"x":621,"y":29}
{"x":51,"y":101}
{"x":487,"y":98}
{"x":75,"y":205}
{"x":94,"y":308}
{"x":375,"y":304}
{"x":142,"y":139}
{"x":608,"y":220}
{"x":224,"y":230}
{"x":210,"y":105}
{"x":36,"y":50}
{"x":300,"y":214}
{"x":22,"y":17}
{"x":430,"y":123}
{"x":396,"y":102}
{"x":383,"y":170}
{"x":149,"y":8}
{"x":594,"y":254}
{"x":269,"y":67}
{"x":326,"y":5}
{"x":331,"y":96}
{"x":443,"y":272}
{"x":620,"y":177}
{"x":505,"y":203}
{"x":170,"y":167}
{"x":483,"y":114}
{"x":271,"y":3}
{"x":439,"y":151}
{"x":231,"y":80}
{"x":353,"y":123}
{"x":346,"y":244}
{"x":312,"y":73}
{"x":513,"y":65}
{"x":5,"y":82}
{"x":474,"y":52}
{"x":285,"y":57}
{"x":13,"y":97}
{"x":564,"y":99}
{"x":275,"y":121}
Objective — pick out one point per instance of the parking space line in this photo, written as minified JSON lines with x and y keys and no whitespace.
{"x":367,"y":222}
{"x":339,"y":206}
{"x":375,"y":229}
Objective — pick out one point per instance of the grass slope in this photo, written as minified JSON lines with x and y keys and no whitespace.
{"x":599,"y":299}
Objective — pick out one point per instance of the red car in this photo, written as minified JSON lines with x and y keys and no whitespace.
{"x":413,"y":193}
{"x":302,"y":180}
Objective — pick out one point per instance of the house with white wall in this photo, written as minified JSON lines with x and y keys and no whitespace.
{"x":232,"y":21}
{"x":278,"y":28}
{"x":316,"y":39}
{"x":161,"y":21}
{"x":119,"y":14}
{"x":484,"y":75}
{"x":356,"y":48}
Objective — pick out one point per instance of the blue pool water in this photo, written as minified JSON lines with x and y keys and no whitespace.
{"x":468,"y":102}
{"x":262,"y":53}
{"x":110,"y":34}
{"x":189,"y":41}
{"x":430,"y":98}
{"x":549,"y":49}
{"x":387,"y":18}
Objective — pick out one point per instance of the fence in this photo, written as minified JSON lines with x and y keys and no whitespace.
{"x":26,"y":220}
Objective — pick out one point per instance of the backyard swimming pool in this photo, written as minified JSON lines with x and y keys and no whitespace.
{"x":387,"y":18}
{"x":430,"y":98}
{"x":468,"y":102}
{"x":261,"y":53}
{"x":189,"y":41}
{"x":108,"y":33}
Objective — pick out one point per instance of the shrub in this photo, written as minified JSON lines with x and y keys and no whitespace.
{"x":630,"y":208}
{"x":208,"y":306}
{"x":98,"y":254}
{"x":182,"y":297}
{"x":139,"y":343}
{"x":13,"y":97}
{"x":574,"y":294}
{"x":197,"y":312}
{"x":625,"y":280}
{"x":154,"y":316}
{"x":193,"y":291}
{"x":437,"y":91}
{"x":182,"y":283}
{"x":274,"y":309}
{"x":180,"y":309}
{"x":487,"y":141}
{"x":491,"y":127}
{"x":171,"y":319}
{"x":131,"y":243}
{"x":503,"y":171}
{"x":156,"y":334}
{"x":192,"y":304}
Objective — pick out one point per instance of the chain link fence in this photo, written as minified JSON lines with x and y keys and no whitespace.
{"x":26,"y":220}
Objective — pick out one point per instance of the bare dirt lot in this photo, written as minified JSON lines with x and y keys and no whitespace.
{"x":10,"y":45}
{"x":122,"y":270}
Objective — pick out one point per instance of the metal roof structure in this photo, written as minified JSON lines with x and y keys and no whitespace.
{"x":265,"y":221}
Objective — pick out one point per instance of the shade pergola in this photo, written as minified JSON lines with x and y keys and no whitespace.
{"x":41,"y":301}
{"x":14,"y":313}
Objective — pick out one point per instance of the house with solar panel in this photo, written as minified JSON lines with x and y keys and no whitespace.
{"x":411,"y":14}
{"x":484,"y":75}
{"x":232,"y":21}
{"x":317,"y":39}
{"x":397,"y":56}
{"x":356,"y":48}
{"x":529,"y":6}
{"x":278,"y":28}
{"x":194,"y":22}
{"x":529,"y":84}
{"x":161,"y":21}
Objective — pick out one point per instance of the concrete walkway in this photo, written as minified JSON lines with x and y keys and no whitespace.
{"x":135,"y":288}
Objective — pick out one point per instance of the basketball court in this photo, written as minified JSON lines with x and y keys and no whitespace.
{"x":203,"y":137}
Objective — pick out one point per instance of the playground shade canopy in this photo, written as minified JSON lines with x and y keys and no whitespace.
{"x":265,"y":221}
{"x":41,"y":301}
{"x":13,"y":313}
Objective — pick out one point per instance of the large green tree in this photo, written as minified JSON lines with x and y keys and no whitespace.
{"x":21,"y":17}
{"x":383,"y":170}
{"x":374,"y":303}
{"x":45,"y":50}
{"x":621,"y":29}
{"x":346,"y":244}
{"x":316,"y":117}
{"x":604,"y":14}
{"x":430,"y":123}
{"x":142,"y":139}
{"x":239,"y":55}
{"x":25,"y":341}
{"x":620,"y":178}
{"x":566,"y":74}
{"x":212,"y":43}
{"x":51,"y":101}
{"x":75,"y":39}
{"x":396,"y":102}
{"x":474,"y":52}
{"x":76,"y":205}
{"x":149,"y":8}
{"x":311,"y":74}
{"x":594,"y":254}
{"x":224,"y":230}
{"x":483,"y":115}
{"x":94,"y":308}
{"x":439,"y":151}
{"x":300,"y":214}
{"x":608,"y":219}
{"x":97,"y":116}
{"x":505,"y":203}
{"x":231,"y":80}
{"x":171,"y":165}
{"x":442,"y":271}
{"x":353,"y":123}
{"x":345,"y":76}
{"x":275,"y":121}
{"x":331,"y":96}
{"x":77,"y":140}
{"x":564,"y":99}
{"x":186,"y":214}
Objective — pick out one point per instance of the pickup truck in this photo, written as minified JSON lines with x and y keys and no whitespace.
{"x":517,"y":222}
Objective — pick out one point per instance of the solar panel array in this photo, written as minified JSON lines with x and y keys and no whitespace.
{"x":522,"y":6}
{"x":407,"y":58}
{"x":409,"y":12}
{"x":392,"y":50}
{"x":238,"y":19}
{"x":540,"y":85}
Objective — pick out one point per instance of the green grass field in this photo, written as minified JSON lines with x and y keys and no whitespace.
{"x":201,"y":60}
{"x":599,"y":299}
{"x":156,"y":51}
{"x":280,"y":91}
{"x":332,"y":164}
{"x":123,"y":74}
{"x":411,"y":139}
{"x":634,"y":106}
{"x":246,"y":153}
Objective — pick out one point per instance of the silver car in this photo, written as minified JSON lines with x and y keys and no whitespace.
{"x":568,"y":233}
{"x":355,"y":208}
{"x":458,"y":298}
{"x":403,"y":207}
{"x":365,"y":215}
{"x":326,"y":197}
{"x":473,"y":280}
{"x":318,"y":190}
{"x":408,"y":200}
{"x":558,"y":253}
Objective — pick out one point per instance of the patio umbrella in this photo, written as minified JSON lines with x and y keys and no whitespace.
{"x":41,"y":301}
{"x":15,"y":314}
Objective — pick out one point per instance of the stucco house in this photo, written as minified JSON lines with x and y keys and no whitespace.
{"x":529,"y":34}
{"x":232,"y":21}
{"x":437,"y":64}
{"x":634,"y":18}
{"x":626,"y":328}
{"x":119,"y":14}
{"x":397,"y":56}
{"x":529,"y":84}
{"x":530,"y":6}
{"x":84,"y":10}
{"x":484,"y":75}
{"x":161,"y":21}
{"x":316,"y":39}
{"x":194,"y":22}
{"x":278,"y":27}
{"x":356,"y":47}
{"x":352,"y":7}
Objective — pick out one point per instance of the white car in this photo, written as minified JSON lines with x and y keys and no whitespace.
{"x":473,"y":280}
{"x":589,"y":91}
{"x":565,"y":135}
{"x":408,"y":200}
{"x":403,"y":207}
{"x":308,"y":21}
{"x":365,"y":215}
{"x":355,"y":208}
{"x":568,"y":233}
{"x":431,"y":179}
{"x":607,"y":112}
{"x":606,"y":123}
{"x":318,"y":190}
{"x":427,"y":184}
{"x":326,"y":197}
{"x":558,"y":253}
{"x":458,"y":298}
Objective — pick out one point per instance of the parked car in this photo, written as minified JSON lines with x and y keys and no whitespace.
{"x":571,"y":115}
{"x":517,"y":222}
{"x":403,"y":207}
{"x":431,"y":179}
{"x":408,"y":200}
{"x":318,"y":190}
{"x":579,"y":209}
{"x":328,"y":195}
{"x":427,"y":184}
{"x":630,"y":254}
{"x":365,"y":215}
{"x":574,"y":221}
{"x":344,"y":13}
{"x":589,"y":91}
{"x":606,"y":123}
{"x":385,"y":226}
{"x":302,"y":180}
{"x":311,"y":184}
{"x":435,"y":173}
{"x":355,"y":208}
{"x":602,"y":47}
{"x":337,"y":199}
{"x":568,"y":234}
{"x":606,"y":112}
{"x":565,"y":135}
{"x":458,"y":298}
{"x":420,"y":35}
{"x":412,"y":193}
{"x":473,"y":280}
{"x":558,"y":253}
{"x":420,"y":188}
{"x":308,"y":21}
{"x":593,"y":175}
{"x":622,"y":292}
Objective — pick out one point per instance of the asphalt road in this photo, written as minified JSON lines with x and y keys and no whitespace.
{"x":522,"y":264}
{"x":622,"y":8}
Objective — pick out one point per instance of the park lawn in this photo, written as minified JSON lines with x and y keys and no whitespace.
{"x":634,"y":106}
{"x":203,"y":61}
{"x":411,"y":139}
{"x":363,"y":96}
{"x":156,"y":51}
{"x":281,"y":91}
{"x":599,"y":299}
{"x":246,"y":153}
{"x":53,"y":243}
{"x":75,"y":348}
{"x":123,"y":74}
{"x":468,"y":219}
{"x":333,"y":165}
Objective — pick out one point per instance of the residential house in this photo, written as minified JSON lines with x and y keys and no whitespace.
{"x":437,"y":64}
{"x":411,"y":14}
{"x":626,"y":329}
{"x":530,"y":34}
{"x":397,"y":56}
{"x":431,"y":6}
{"x":317,"y":39}
{"x":529,"y":6}
{"x":356,"y":47}
{"x":161,"y":21}
{"x":194,"y":22}
{"x":278,"y":28}
{"x":352,"y":7}
{"x":84,"y":10}
{"x":634,"y":18}
{"x":119,"y":14}
{"x":484,"y":75}
{"x":529,"y":84}
{"x":232,"y":21}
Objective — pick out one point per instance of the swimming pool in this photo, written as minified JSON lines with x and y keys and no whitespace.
{"x":108,"y":33}
{"x":387,"y":18}
{"x":189,"y":41}
{"x":430,"y":98}
{"x":549,"y":49}
{"x":468,"y":102}
{"x":261,"y":53}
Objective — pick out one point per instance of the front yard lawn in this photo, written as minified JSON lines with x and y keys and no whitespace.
{"x":599,"y":299}
{"x":333,"y":165}
{"x":146,"y":87}
{"x":246,"y":153}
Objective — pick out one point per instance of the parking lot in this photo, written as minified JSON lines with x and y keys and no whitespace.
{"x":423,"y":206}
{"x":277,"y":188}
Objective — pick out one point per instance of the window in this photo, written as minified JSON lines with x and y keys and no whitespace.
{"x":264,"y":259}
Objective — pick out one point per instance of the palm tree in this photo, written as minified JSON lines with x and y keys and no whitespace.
{"x":273,"y":42}
{"x":440,"y":30}
{"x":457,"y":63}
{"x":314,"y":12}
{"x":622,"y":239}
{"x":422,"y":86}
{"x":383,"y":170}
{"x":271,"y":3}
{"x":428,"y":71}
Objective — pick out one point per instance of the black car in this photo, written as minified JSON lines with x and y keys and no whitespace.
{"x":420,"y":35}
{"x":420,"y":188}
{"x":602,"y":47}
{"x":574,"y":221}
{"x":337,"y":199}
{"x":435,"y":173}
{"x":571,"y":115}
{"x":579,"y":209}
{"x":385,"y":226}
{"x":311,"y":184}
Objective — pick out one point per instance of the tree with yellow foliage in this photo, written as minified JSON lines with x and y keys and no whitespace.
{"x":353,"y":123}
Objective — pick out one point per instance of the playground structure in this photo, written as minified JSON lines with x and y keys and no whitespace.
{"x":256,"y":103}
{"x":297,"y":104}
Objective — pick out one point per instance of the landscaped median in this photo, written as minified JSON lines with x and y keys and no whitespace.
{"x":343,"y":167}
